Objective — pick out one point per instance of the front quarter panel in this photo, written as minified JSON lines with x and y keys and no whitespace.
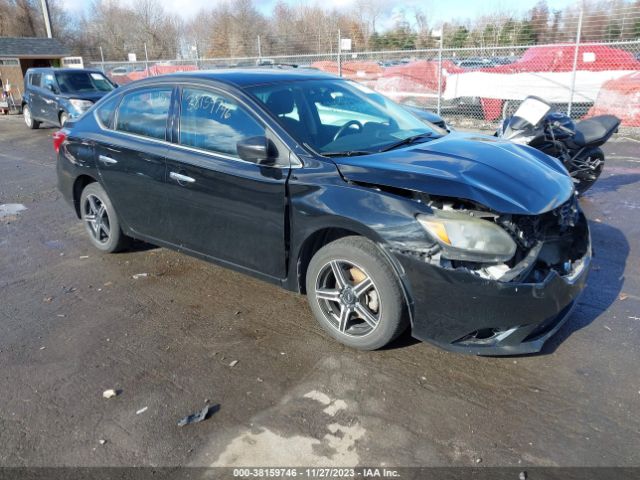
{"x":321,"y":199}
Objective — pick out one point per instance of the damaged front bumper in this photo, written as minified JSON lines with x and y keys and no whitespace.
{"x":463,"y":312}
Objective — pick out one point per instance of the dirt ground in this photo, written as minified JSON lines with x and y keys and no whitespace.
{"x":75,"y":322}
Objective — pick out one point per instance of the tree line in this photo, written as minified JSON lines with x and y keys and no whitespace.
{"x":238,"y":28}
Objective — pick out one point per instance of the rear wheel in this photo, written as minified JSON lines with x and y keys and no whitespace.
{"x":355,"y":294}
{"x":100,"y":220}
{"x":28,"y":118}
{"x":587,"y":169}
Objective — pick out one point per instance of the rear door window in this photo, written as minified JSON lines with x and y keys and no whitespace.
{"x":145,"y":113}
{"x":215,"y":122}
{"x":105,"y":112}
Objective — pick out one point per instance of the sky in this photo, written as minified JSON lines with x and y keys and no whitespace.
{"x":439,"y":10}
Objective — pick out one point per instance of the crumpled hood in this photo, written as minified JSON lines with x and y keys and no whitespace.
{"x":498,"y":174}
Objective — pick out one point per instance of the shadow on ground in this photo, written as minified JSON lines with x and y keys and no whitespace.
{"x":614,"y":182}
{"x":604,"y":283}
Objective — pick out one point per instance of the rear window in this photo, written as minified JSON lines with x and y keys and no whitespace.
{"x":105,"y":112}
{"x":145,"y":113}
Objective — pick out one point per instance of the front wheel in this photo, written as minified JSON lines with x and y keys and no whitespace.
{"x":355,"y":294}
{"x":100,"y":219}
{"x":587,"y":169}
{"x":64,"y":116}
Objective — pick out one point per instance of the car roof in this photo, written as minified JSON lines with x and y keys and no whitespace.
{"x":246,"y":76}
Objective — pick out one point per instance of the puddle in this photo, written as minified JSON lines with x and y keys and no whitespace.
{"x":262,"y":445}
{"x":7,"y":209}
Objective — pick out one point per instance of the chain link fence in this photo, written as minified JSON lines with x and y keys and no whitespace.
{"x":474,"y":87}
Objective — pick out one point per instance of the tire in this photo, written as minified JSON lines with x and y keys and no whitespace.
{"x":64,"y":116}
{"x":341,"y":310}
{"x":588,"y":179}
{"x":28,"y":118}
{"x":104,"y":228}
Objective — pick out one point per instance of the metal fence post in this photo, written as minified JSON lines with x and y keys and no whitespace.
{"x":440,"y":70}
{"x":101,"y":58}
{"x":259,"y":50}
{"x":146,"y":62}
{"x":339,"y":54}
{"x":575,"y":63}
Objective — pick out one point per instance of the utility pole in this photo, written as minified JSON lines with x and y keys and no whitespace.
{"x":47,"y":18}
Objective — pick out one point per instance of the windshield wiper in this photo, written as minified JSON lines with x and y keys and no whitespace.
{"x":407,"y":141}
{"x":346,"y":153}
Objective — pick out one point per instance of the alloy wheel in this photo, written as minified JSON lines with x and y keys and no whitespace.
{"x":348,"y":298}
{"x":97,"y":218}
{"x":26,"y":113}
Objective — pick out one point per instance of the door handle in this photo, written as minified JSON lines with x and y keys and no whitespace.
{"x":107,"y":160}
{"x":178,"y":177}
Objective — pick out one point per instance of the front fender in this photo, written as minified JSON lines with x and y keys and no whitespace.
{"x":320,"y":198}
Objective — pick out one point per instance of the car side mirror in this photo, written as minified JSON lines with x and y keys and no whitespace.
{"x":258,"y":150}
{"x":52,"y":88}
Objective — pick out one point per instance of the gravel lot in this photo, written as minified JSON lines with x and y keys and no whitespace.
{"x":74,"y":322}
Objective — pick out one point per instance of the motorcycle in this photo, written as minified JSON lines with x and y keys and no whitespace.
{"x":576,"y":145}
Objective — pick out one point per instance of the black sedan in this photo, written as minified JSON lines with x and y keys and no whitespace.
{"x":314,"y":183}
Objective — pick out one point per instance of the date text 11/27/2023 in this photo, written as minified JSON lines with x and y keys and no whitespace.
{"x":315,"y":473}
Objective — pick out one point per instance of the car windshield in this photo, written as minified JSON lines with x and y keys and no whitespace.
{"x":340,"y":117}
{"x":81,"y":82}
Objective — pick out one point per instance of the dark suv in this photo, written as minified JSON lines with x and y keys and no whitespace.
{"x":54,"y":95}
{"x":316,"y":184}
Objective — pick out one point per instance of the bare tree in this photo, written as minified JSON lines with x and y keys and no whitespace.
{"x":231,"y":27}
{"x":423,"y":29}
{"x":368,"y":13}
{"x":539,"y":18}
{"x":155,"y":29}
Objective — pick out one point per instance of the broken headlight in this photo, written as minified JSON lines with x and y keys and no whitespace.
{"x":463,"y":237}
